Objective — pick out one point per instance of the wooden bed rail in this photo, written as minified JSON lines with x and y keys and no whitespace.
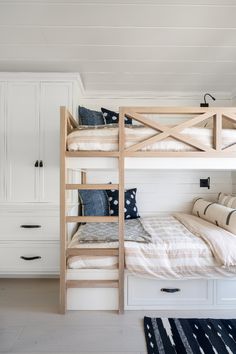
{"x":161,"y":131}
{"x":201,"y":115}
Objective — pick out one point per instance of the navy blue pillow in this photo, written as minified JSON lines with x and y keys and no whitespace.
{"x":131,"y":210}
{"x":89,"y":117}
{"x":111,"y":117}
{"x":94,"y":202}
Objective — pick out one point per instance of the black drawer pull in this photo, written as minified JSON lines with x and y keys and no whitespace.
{"x":30,"y":226}
{"x":30,"y":258}
{"x":41,"y":163}
{"x":170,"y":290}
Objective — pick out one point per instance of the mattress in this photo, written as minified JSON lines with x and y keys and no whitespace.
{"x":173,"y":253}
{"x":105,"y":138}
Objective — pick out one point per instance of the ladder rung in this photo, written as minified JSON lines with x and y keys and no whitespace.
{"x":92,"y":283}
{"x":92,"y":186}
{"x":92,"y":219}
{"x":92,"y":252}
{"x":92,"y":154}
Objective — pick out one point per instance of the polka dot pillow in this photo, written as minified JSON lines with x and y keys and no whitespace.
{"x":131,"y":210}
{"x":111,"y":117}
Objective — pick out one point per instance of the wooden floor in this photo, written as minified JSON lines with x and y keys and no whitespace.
{"x":30,"y":323}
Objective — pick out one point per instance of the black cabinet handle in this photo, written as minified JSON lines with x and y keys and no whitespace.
{"x":41,"y":163}
{"x":30,"y":226}
{"x":36,"y":163}
{"x":30,"y":258}
{"x":170,"y":290}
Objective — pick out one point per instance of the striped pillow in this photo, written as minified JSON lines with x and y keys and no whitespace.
{"x":227,"y":200}
{"x":215,"y":213}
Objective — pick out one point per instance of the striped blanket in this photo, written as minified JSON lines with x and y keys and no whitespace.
{"x":176,"y":252}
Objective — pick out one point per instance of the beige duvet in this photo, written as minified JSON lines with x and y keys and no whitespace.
{"x":183,"y":246}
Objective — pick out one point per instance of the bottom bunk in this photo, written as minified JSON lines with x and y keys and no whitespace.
{"x":172,"y":262}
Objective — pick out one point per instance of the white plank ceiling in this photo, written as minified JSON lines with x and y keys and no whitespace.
{"x":134,"y":45}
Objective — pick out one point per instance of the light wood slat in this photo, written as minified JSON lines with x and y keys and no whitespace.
{"x":178,"y":110}
{"x":73,"y":121}
{"x":92,"y":154}
{"x":231,"y":150}
{"x":170,"y":131}
{"x":223,"y":153}
{"x":231,"y":116}
{"x":92,"y":284}
{"x":121,"y":208}
{"x":92,"y":186}
{"x":92,"y":252}
{"x":92,"y":219}
{"x":83,"y":177}
{"x":155,"y":125}
{"x":217,"y":132}
{"x":63,"y":136}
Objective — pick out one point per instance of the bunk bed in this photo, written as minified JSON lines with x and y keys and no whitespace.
{"x":148,"y":145}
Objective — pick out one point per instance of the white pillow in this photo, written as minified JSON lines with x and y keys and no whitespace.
{"x":227,"y":200}
{"x":217,"y":214}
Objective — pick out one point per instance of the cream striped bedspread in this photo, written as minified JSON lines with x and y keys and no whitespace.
{"x":176,"y":252}
{"x":105,"y":138}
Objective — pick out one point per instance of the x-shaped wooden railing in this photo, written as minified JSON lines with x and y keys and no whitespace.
{"x":163,"y":131}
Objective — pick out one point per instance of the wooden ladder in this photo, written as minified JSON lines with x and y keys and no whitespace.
{"x":64,"y":219}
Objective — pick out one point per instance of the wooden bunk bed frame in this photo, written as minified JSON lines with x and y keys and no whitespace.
{"x":68,"y":123}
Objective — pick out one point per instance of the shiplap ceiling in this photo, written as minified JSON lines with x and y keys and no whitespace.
{"x":134,"y":45}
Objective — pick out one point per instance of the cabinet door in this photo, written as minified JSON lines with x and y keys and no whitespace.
{"x":53,"y":95}
{"x":22,"y":141}
{"x":2,"y":144}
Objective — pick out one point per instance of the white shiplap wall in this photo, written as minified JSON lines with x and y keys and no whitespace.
{"x":114,"y":101}
{"x":168,"y":191}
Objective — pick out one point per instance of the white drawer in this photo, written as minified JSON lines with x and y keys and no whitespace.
{"x":226,"y":292}
{"x":27,"y":258}
{"x":148,"y":292}
{"x":29,"y":228}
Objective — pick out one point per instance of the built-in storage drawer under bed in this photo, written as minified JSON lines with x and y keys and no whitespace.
{"x":144,"y":293}
{"x":29,"y":258}
{"x":148,"y":292}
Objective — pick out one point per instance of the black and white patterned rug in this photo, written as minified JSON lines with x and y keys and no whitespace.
{"x":190,"y":336}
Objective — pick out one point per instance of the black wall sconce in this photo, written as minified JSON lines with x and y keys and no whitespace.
{"x":205,"y":183}
{"x":205,"y":104}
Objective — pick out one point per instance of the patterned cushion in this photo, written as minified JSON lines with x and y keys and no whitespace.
{"x":111,"y":117}
{"x":131,"y":210}
{"x":89,"y":117}
{"x":94,"y":202}
{"x":227,"y":200}
{"x":215,"y":213}
{"x":109,"y":232}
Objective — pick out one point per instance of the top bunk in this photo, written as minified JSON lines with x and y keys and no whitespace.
{"x":155,"y":138}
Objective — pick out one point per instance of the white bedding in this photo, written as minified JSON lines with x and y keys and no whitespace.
{"x":174,"y":253}
{"x":105,"y":138}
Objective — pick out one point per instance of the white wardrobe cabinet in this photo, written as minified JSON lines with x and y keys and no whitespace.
{"x":2,"y":143}
{"x":22,"y":141}
{"x":30,"y":169}
{"x":32,"y":139}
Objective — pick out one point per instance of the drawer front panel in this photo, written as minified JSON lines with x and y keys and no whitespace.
{"x":29,"y":228}
{"x":150,"y":292}
{"x":226,"y":292}
{"x":28,"y":257}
